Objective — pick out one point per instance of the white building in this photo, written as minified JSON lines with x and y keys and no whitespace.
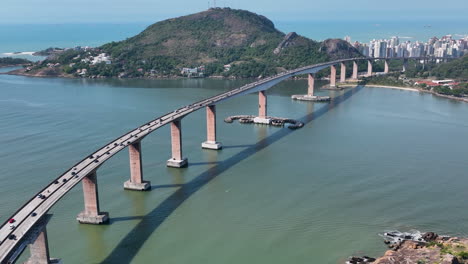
{"x":101,"y":58}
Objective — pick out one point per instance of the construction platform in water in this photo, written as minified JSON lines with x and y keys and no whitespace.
{"x":313,"y":98}
{"x":268,"y":120}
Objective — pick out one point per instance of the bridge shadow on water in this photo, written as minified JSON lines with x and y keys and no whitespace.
{"x":129,"y":246}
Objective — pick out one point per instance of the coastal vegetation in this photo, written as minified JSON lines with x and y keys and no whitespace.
{"x":456,"y":70}
{"x":9,"y":61}
{"x":48,"y":51}
{"x":459,"y":90}
{"x":392,"y":79}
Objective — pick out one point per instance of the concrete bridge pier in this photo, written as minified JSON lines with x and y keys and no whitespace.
{"x":310,"y":84}
{"x":39,"y":245}
{"x":211,"y":142}
{"x":262,"y":104}
{"x":386,"y":69}
{"x":369,"y":68}
{"x":343,"y":73}
{"x":310,"y":92}
{"x":177,"y":161}
{"x":355,"y":70}
{"x":91,"y":213}
{"x":405,"y":65}
{"x":332,"y":76}
{"x":136,"y":181}
{"x":262,"y":109}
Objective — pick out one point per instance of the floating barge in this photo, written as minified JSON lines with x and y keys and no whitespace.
{"x":313,"y":98}
{"x":269,"y":120}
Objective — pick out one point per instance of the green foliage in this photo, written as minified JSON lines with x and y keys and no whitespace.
{"x":434,"y":243}
{"x":462,"y":254}
{"x":251,"y":69}
{"x":442,"y":90}
{"x":214,"y":69}
{"x":387,"y":80}
{"x":457,"y":69}
{"x":9,"y":61}
{"x":66,"y":56}
{"x":458,"y":91}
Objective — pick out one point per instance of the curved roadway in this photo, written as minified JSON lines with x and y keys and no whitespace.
{"x":28,"y":215}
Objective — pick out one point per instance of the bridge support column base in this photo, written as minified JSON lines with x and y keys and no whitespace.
{"x":262,"y":120}
{"x":312,"y":98}
{"x":174,"y":163}
{"x":332,"y":88}
{"x":135,"y":186}
{"x":51,"y":261}
{"x":211,"y":145}
{"x":101,"y":218}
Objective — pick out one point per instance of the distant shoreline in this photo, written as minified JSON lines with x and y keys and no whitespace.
{"x":411,"y":89}
{"x":20,"y":72}
{"x":9,"y":66}
{"x":18,"y":53}
{"x":386,"y":86}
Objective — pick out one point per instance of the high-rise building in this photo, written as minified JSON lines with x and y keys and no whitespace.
{"x":445,"y":46}
{"x":394,"y":42}
{"x":380,"y":49}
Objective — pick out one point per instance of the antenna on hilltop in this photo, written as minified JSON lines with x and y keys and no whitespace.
{"x":214,"y":3}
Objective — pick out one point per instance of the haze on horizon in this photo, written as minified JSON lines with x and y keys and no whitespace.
{"x":124,"y":11}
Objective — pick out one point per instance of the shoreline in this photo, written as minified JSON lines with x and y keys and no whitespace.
{"x":386,"y":87}
{"x":415,"y":248}
{"x":31,"y":53}
{"x":20,"y":72}
{"x":11,"y":66}
{"x":411,"y":89}
{"x":395,"y":87}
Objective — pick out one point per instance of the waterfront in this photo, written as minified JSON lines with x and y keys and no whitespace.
{"x":378,"y":160}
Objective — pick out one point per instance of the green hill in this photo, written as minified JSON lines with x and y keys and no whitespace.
{"x":248,"y":43}
{"x":457,"y":69}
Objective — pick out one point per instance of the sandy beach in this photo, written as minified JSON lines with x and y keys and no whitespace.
{"x":461,"y":99}
{"x":394,"y":87}
{"x":384,"y":86}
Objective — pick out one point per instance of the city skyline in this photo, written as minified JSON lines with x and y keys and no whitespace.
{"x":30,"y":11}
{"x":443,"y":46}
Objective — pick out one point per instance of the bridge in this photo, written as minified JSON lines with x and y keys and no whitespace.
{"x":27,"y":226}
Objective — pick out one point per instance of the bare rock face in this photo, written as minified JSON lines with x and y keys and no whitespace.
{"x":337,"y":48}
{"x":439,"y":250}
{"x":286,"y":42}
{"x":412,"y":252}
{"x":430,"y":236}
{"x":414,"y":248}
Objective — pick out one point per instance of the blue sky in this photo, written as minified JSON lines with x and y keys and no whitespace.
{"x":92,"y":11}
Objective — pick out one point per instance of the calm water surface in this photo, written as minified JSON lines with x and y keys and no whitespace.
{"x":373,"y":160}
